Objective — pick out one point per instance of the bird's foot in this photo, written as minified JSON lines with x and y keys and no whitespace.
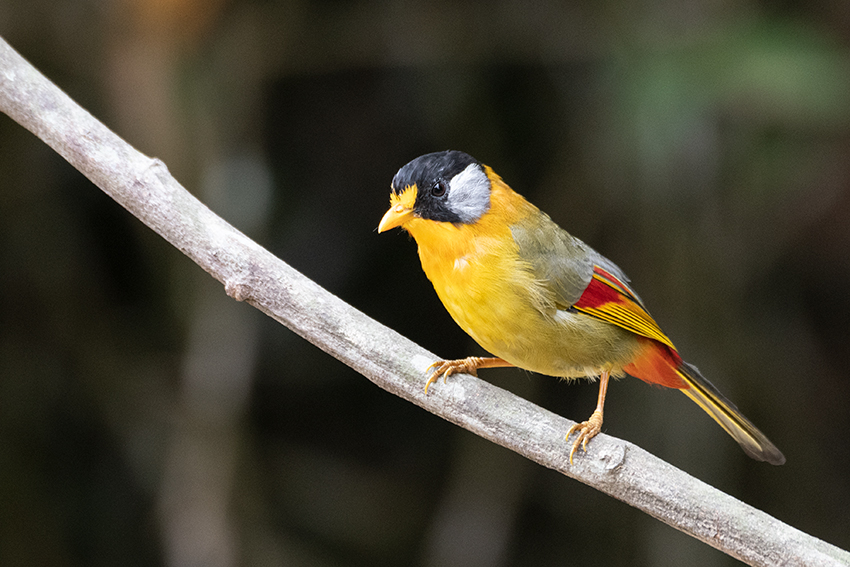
{"x":446,"y":368}
{"x":587,"y":430}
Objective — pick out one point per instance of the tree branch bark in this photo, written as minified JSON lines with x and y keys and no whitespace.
{"x":250,"y":273}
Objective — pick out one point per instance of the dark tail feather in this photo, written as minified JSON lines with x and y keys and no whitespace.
{"x":752,"y":441}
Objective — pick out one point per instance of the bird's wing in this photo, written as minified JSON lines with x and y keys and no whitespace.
{"x":610,"y":299}
{"x":581,"y":279}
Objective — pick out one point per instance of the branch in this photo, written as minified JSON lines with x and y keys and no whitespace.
{"x":250,"y":273}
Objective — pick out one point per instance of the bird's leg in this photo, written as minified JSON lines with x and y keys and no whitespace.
{"x":470,"y":365}
{"x":587,"y":430}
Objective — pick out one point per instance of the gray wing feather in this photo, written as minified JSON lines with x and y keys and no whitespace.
{"x":559,"y":260}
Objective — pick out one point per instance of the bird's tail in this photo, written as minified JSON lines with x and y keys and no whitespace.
{"x":724,"y":412}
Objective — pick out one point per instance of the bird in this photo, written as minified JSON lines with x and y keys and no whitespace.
{"x":537,"y":297}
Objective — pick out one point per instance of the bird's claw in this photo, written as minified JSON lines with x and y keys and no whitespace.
{"x":587,"y":430}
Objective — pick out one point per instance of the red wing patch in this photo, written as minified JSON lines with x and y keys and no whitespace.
{"x":611,"y":300}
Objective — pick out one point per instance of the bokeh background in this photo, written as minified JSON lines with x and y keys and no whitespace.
{"x":147,"y":419}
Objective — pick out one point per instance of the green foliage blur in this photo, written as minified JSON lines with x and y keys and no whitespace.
{"x":147,"y":419}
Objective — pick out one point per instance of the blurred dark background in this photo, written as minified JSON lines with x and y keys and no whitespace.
{"x":147,"y":419}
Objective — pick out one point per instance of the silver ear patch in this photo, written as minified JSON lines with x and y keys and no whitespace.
{"x":469,"y":193}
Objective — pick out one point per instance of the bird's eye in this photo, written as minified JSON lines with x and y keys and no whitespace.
{"x":439,"y":189}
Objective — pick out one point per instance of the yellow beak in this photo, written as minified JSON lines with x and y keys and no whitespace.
{"x":396,"y":216}
{"x":401,"y":209}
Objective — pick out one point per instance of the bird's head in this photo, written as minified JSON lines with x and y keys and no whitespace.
{"x":448,"y":186}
